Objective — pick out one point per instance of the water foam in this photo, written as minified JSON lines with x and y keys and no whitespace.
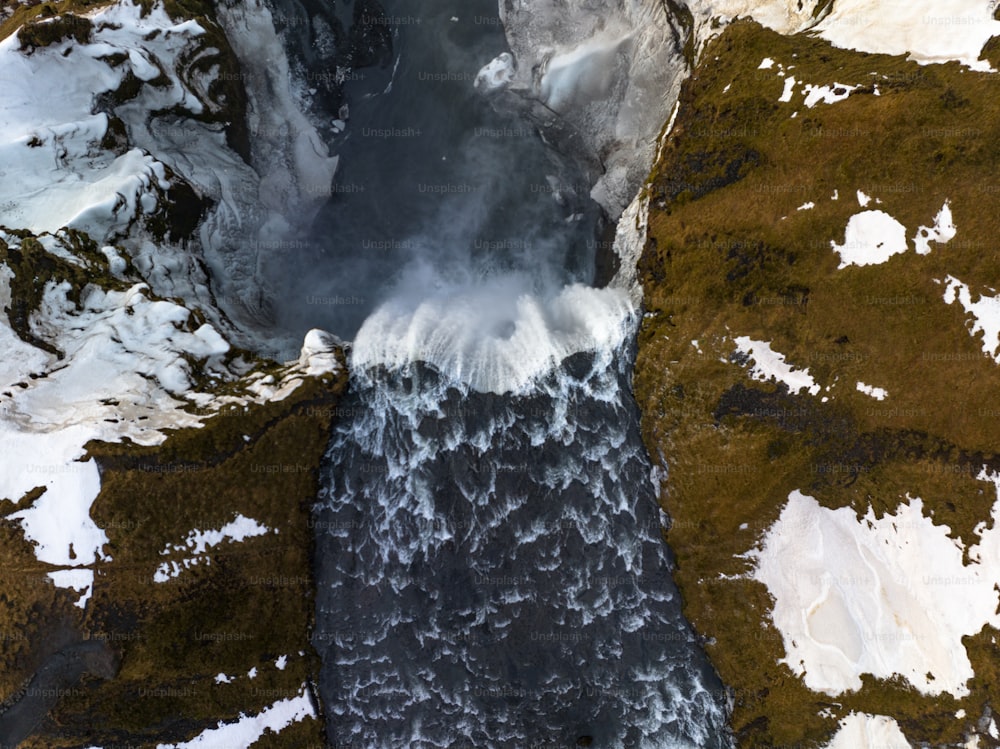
{"x":494,"y":336}
{"x":491,"y":570}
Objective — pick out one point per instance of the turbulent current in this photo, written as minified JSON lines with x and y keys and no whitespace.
{"x":494,"y":573}
{"x":490,"y":562}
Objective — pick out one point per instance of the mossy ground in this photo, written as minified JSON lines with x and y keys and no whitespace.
{"x":729,"y":254}
{"x":246,"y":605}
{"x":243,"y":606}
{"x":21,"y":17}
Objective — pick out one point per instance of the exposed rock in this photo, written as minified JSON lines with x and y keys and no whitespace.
{"x":598,"y":78}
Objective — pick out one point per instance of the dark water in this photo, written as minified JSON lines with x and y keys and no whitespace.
{"x":429,"y":172}
{"x":491,"y":567}
{"x":493,"y":572}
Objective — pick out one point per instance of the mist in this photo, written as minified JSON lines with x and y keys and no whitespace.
{"x":437,"y":193}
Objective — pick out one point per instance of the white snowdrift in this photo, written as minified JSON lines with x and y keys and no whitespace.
{"x":249,"y":728}
{"x":879,"y":394}
{"x":197,"y":543}
{"x":126,"y":371}
{"x":826,"y":94}
{"x":985,"y":314}
{"x":55,"y":172}
{"x":770,"y":365}
{"x":871,"y":238}
{"x":927,"y":30}
{"x":942,"y":232}
{"x":863,"y":731}
{"x":889,"y":596}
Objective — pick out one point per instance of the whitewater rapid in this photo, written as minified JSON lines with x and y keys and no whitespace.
{"x":491,"y":566}
{"x":496,"y":335}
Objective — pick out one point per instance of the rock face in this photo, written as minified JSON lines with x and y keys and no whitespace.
{"x":598,"y":78}
{"x":817,"y":372}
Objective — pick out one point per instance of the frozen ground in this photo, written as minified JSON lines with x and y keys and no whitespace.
{"x":882,"y":596}
{"x":768,"y":364}
{"x":66,"y":162}
{"x":250,"y":728}
{"x":926,"y":30}
{"x":121,"y":363}
{"x":862,"y":731}
{"x":130,"y":363}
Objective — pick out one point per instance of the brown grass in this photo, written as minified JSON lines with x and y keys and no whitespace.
{"x":730,"y":255}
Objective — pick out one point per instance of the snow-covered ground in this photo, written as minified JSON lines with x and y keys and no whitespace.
{"x":55,"y":171}
{"x":65,"y":164}
{"x":882,"y":596}
{"x":250,"y":728}
{"x":198,"y":542}
{"x":771,"y":365}
{"x":879,"y":394}
{"x":928,"y":31}
{"x":873,"y":236}
{"x":129,"y":365}
{"x":130,"y":362}
{"x":811,"y":94}
{"x":863,"y":731}
{"x":985,"y":313}
{"x":942,"y":231}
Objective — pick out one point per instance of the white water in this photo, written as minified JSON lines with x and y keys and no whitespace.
{"x":492,"y":568}
{"x":497,"y":335}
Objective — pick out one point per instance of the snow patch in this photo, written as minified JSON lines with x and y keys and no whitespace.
{"x":786,"y":94}
{"x":250,"y":728}
{"x":889,"y":596}
{"x":770,"y":365}
{"x":863,"y":731}
{"x":80,"y":580}
{"x":985,"y":312}
{"x":871,"y":238}
{"x":942,"y":232}
{"x":878,"y":394}
{"x":56,"y":173}
{"x":198,"y":543}
{"x":927,"y":30}
{"x":827,"y":94}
